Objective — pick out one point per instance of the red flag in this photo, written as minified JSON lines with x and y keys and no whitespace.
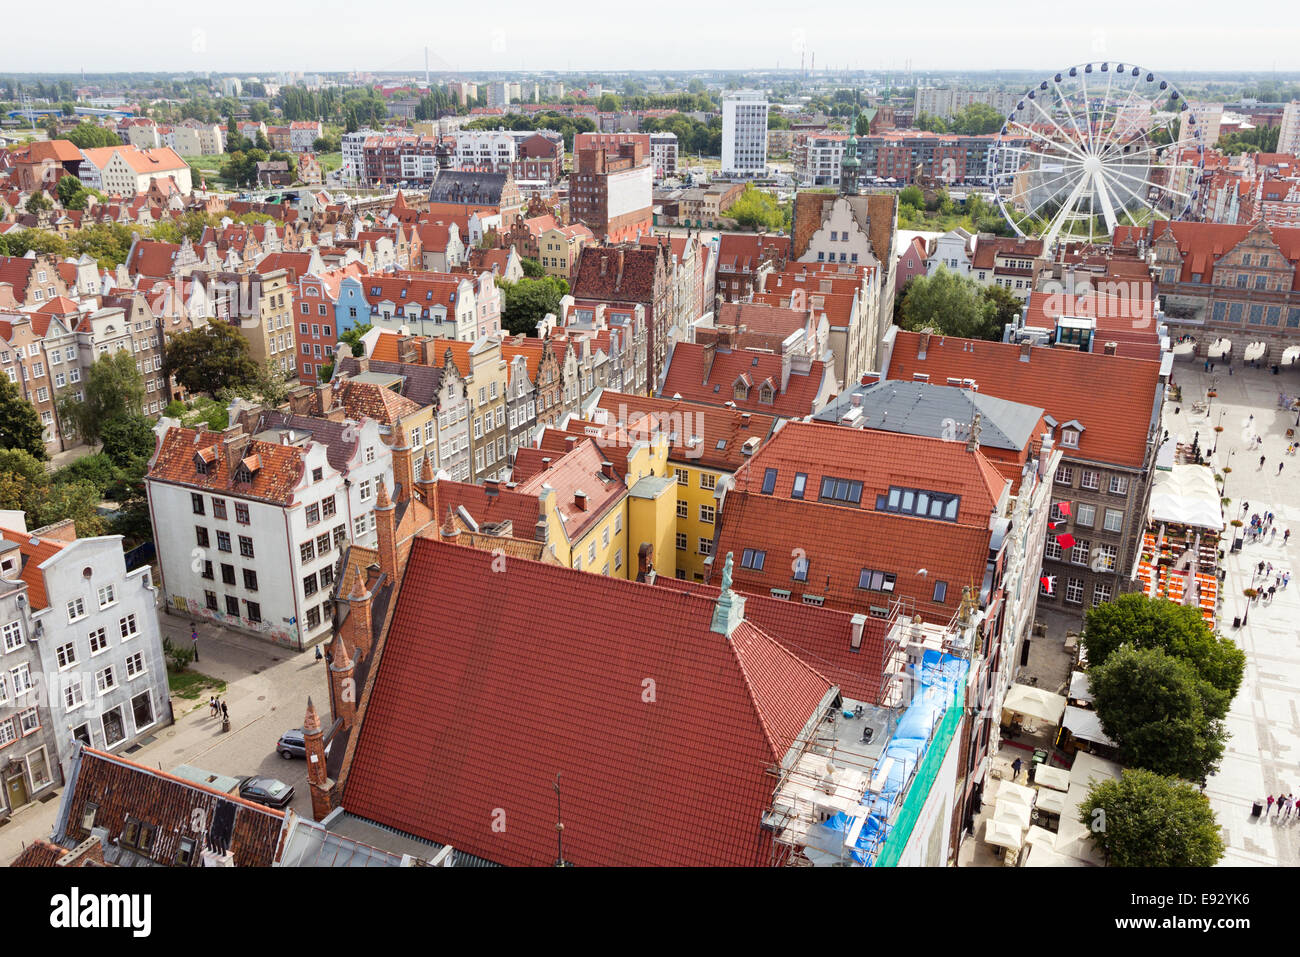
{"x":1065,"y":540}
{"x":1051,"y":526}
{"x":1063,"y":508}
{"x":1049,"y":583}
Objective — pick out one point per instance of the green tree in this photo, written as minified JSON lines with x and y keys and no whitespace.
{"x":1007,"y":306}
{"x":20,"y":426}
{"x":1146,"y":820}
{"x":1160,"y":712}
{"x":72,"y":195}
{"x":79,"y":501}
{"x":108,"y":244}
{"x":353,"y":338}
{"x":757,"y":209}
{"x":911,"y":195}
{"x":532,"y":268}
{"x":114,"y":388}
{"x":38,"y":202}
{"x":211,"y":359}
{"x":23,"y":481}
{"x":1178,"y":630}
{"x":96,"y":470}
{"x":951,"y":304}
{"x":977,"y":119}
{"x":527,"y":301}
{"x":128,"y":441}
{"x":87,"y":135}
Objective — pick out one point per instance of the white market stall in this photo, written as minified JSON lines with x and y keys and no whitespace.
{"x":1186,"y":495}
{"x":1030,"y":702}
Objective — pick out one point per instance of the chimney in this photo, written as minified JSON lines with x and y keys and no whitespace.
{"x":604,"y":264}
{"x":343,"y":684}
{"x":1024,"y":351}
{"x":645,"y":571}
{"x":324,"y":397}
{"x":618,"y":280}
{"x":607,"y":469}
{"x":403,"y":470}
{"x":924,"y":345}
{"x":317,"y":778}
{"x":363,"y":364}
{"x":858,"y":622}
{"x":386,"y":526}
{"x":744,"y":420}
{"x":1111,"y":348}
{"x":580,"y":500}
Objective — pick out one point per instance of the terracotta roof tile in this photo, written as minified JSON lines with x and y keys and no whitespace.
{"x":1063,"y":382}
{"x":681,"y":781}
{"x":281,"y":471}
{"x":686,"y":377}
{"x":34,"y":551}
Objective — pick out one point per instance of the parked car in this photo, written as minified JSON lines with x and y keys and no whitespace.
{"x":266,"y":791}
{"x":292,"y":745}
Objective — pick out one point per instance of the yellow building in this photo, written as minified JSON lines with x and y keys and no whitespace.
{"x":557,"y":248}
{"x":708,"y":443}
{"x":602,"y":504}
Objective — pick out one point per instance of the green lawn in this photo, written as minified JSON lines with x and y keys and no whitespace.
{"x":330,"y":161}
{"x":192,"y":684}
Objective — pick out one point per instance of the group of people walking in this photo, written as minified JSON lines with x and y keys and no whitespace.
{"x":217,"y":708}
{"x":1285,"y":804}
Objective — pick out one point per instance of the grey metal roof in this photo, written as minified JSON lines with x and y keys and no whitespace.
{"x":419,"y":383}
{"x":470,"y":187}
{"x":938,"y":411}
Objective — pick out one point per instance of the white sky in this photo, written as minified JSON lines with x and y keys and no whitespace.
{"x":264,"y":36}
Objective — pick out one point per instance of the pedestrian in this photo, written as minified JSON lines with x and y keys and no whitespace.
{"x":1271,"y":590}
{"x":1271,"y":799}
{"x":1279,"y":467}
{"x":1015,"y":769}
{"x":212,"y":706}
{"x":194,"y":640}
{"x":1260,"y":569}
{"x":225,"y":713}
{"x":1288,"y":805}
{"x":1286,"y":580}
{"x":1286,"y":536}
{"x":1268,"y":569}
{"x":1261,"y":461}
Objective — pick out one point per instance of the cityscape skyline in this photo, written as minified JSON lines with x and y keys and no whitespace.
{"x":458,"y":40}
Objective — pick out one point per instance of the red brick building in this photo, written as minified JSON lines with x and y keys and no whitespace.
{"x":610,"y":192}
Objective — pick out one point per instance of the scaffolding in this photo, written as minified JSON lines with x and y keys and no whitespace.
{"x":840,"y":793}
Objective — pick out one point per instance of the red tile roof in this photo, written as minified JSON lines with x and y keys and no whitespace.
{"x":678,"y":781}
{"x":638,"y":415}
{"x":152,"y":258}
{"x":841,"y":539}
{"x":281,"y":465}
{"x":686,"y":377}
{"x":578,"y":470}
{"x":1116,"y":418}
{"x":34,"y":552}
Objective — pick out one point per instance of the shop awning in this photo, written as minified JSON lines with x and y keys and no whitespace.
{"x":1085,"y":725}
{"x":1079,"y":685}
{"x":1034,"y":703}
{"x":1011,"y":813}
{"x":1002,"y":834}
{"x":1051,"y":801}
{"x":1046,"y":776}
{"x":1186,"y":495}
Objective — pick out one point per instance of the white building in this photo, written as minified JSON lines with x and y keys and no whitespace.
{"x":126,"y":171}
{"x":818,"y":158}
{"x":744,"y":134}
{"x":499,"y":94}
{"x":947,"y":103}
{"x":952,"y":251}
{"x":192,"y":138}
{"x":230,"y":86}
{"x":486,"y":149}
{"x":247,"y":527}
{"x":102,"y":676}
{"x":1288,"y":140}
{"x":663,"y":154}
{"x":354,"y":153}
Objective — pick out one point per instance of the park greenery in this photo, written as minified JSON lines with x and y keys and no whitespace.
{"x":1161,"y":713}
{"x":759,"y":210}
{"x":956,"y":305}
{"x":527,"y":301}
{"x":1148,"y":820}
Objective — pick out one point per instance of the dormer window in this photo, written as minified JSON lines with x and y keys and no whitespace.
{"x":766,"y":394}
{"x":1070,"y":438}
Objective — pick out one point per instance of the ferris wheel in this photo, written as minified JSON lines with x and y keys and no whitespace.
{"x":1094,"y":147}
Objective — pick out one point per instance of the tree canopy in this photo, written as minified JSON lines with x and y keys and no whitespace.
{"x":951,"y":304}
{"x":87,"y":135}
{"x":1179,"y":630}
{"x":20,"y":426}
{"x":211,"y":359}
{"x":527,"y":301}
{"x":1160,"y":712}
{"x":758,"y":210}
{"x":114,"y":388}
{"x":1147,"y":820}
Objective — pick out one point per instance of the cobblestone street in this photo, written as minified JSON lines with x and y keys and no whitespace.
{"x":266,"y":690}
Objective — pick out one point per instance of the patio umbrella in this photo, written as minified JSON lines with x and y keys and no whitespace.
{"x":1002,"y":834}
{"x":1012,"y":813}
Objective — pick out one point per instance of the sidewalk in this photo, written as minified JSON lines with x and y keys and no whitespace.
{"x":266,"y":692}
{"x":1263,"y":751}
